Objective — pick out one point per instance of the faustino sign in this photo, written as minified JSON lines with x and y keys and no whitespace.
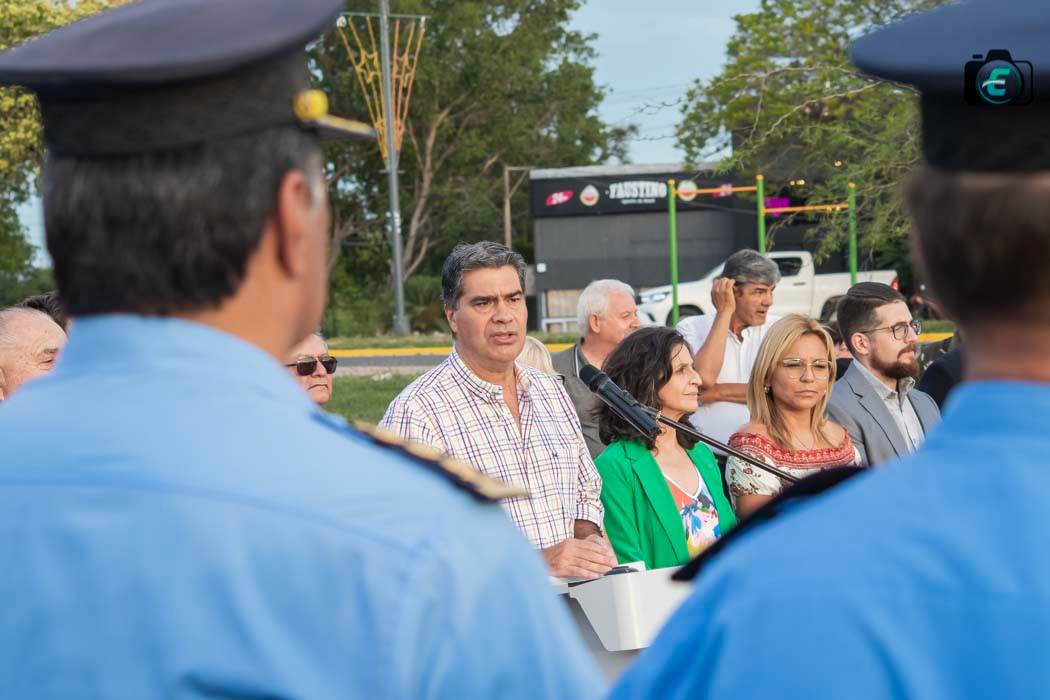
{"x":616,"y":195}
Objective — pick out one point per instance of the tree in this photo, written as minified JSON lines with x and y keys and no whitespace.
{"x":498,"y":82}
{"x":21,"y":148}
{"x":791,"y":104}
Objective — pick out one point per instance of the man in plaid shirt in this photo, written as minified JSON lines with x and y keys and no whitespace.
{"x":512,"y":422}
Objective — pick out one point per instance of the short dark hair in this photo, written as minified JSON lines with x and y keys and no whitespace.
{"x":983,"y":242}
{"x":751,"y":267}
{"x":856,"y":309}
{"x":833,"y":330}
{"x":168,"y":231}
{"x":475,"y":256}
{"x":50,"y":304}
{"x":641,"y":366}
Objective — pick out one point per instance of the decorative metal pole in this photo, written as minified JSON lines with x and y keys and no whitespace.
{"x":400,"y":320}
{"x":852,"y":233}
{"x":672,"y":216}
{"x":760,"y":190}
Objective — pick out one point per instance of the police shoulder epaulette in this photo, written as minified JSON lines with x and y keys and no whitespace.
{"x":805,"y":488}
{"x":481,"y":486}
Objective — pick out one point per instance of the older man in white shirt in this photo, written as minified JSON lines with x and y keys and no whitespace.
{"x":725,"y":345}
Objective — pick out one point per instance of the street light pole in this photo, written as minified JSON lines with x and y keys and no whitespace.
{"x":508,"y":192}
{"x":400,"y":321}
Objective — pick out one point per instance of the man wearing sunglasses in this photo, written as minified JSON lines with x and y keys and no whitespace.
{"x":876,"y":399}
{"x":313,"y":367}
{"x":201,"y":529}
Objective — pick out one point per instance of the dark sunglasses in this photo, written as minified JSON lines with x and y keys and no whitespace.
{"x":306,"y":367}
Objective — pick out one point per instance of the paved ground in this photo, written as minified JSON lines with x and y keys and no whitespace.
{"x":381,"y":364}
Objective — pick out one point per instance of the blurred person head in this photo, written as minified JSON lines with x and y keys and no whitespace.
{"x":232,"y":233}
{"x":310,"y":363}
{"x":793,"y":372}
{"x":605,"y":314}
{"x":878,"y":329}
{"x":29,"y":345}
{"x":483,"y":289}
{"x":535,"y":355}
{"x":655,"y":366}
{"x":756,"y":277}
{"x":843,"y":358}
{"x":50,"y":304}
{"x":981,"y":240}
{"x":841,"y":351}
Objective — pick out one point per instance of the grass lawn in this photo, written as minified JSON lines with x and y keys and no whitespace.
{"x":938,"y":327}
{"x":365,"y":398}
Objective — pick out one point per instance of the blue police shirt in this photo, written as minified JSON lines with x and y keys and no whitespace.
{"x":928,"y":578}
{"x":178,"y":520}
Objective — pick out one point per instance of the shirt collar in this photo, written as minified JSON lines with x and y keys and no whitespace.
{"x":165,"y":347}
{"x":903,"y":385}
{"x":750,"y":331}
{"x":478,"y":385}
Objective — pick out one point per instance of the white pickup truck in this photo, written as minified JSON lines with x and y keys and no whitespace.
{"x":801,"y":290}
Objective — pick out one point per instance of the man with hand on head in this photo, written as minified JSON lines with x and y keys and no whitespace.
{"x":930,"y":576}
{"x":606,"y":314}
{"x":725,"y":345}
{"x":202,"y":529}
{"x":505,"y":418}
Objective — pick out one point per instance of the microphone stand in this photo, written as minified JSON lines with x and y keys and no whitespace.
{"x":689,"y":430}
{"x":710,"y":441}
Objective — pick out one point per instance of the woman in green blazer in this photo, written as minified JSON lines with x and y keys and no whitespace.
{"x":664,"y":501}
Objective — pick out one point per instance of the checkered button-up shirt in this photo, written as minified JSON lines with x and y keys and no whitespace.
{"x":453,"y":410}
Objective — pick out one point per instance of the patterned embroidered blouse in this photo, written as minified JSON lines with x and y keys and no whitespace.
{"x":744,"y":478}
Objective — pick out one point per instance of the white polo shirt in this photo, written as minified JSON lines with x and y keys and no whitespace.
{"x":722,"y":418}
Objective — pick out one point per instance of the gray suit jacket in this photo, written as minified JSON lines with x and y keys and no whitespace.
{"x":583,"y":399}
{"x":857,"y":407}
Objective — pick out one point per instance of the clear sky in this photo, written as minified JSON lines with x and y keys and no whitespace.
{"x":648,"y":55}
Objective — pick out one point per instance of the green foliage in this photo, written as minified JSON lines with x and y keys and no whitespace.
{"x":423,"y":304}
{"x":497,"y":83}
{"x":20,"y":138}
{"x":792,"y":106}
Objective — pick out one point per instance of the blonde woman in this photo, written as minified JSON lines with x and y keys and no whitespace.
{"x":535,"y":354}
{"x":786,"y":397}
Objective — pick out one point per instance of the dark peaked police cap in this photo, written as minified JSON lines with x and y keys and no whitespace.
{"x":942,"y":53}
{"x":168,"y":74}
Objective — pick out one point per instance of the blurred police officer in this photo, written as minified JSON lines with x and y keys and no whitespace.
{"x":200,"y":529}
{"x":929,"y":578}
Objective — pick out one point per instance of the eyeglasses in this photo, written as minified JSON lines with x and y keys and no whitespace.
{"x":796,"y":367}
{"x":900,"y":330}
{"x":306,"y":366}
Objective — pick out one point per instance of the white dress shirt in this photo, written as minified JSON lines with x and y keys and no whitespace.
{"x":723,"y":418}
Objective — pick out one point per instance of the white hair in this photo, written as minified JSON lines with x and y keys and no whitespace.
{"x":594,"y":299}
{"x":535,"y":354}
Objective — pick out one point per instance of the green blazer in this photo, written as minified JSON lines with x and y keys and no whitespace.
{"x":641,"y":518}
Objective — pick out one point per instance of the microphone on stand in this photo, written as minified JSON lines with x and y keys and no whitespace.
{"x":646,"y":419}
{"x":622,"y":403}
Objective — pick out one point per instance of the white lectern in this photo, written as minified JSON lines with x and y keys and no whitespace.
{"x":619,"y":614}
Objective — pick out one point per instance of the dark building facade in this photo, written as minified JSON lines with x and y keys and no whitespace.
{"x":612,"y":221}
